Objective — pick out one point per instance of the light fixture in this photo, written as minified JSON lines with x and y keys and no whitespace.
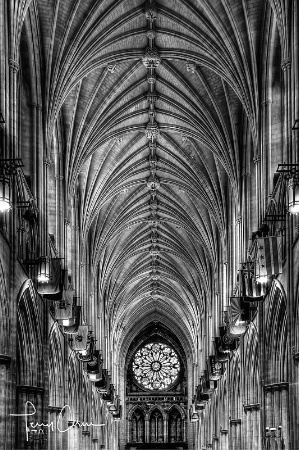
{"x":94,"y":376}
{"x":291,"y":172}
{"x":8,"y":168}
{"x":262,"y":279}
{"x":43,"y":269}
{"x":194,"y":417}
{"x":5,"y":195}
{"x":293,"y":189}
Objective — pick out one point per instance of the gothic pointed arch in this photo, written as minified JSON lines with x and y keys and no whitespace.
{"x":30,"y":340}
{"x":175,"y":424}
{"x":137,"y":418}
{"x":56,"y":367}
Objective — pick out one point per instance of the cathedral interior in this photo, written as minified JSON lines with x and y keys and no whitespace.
{"x":149,"y":237}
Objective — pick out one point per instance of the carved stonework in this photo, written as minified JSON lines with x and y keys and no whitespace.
{"x":191,"y":67}
{"x":151,"y":34}
{"x":153,"y":205}
{"x":14,"y":66}
{"x":111,"y":67}
{"x":153,"y":163}
{"x":152,"y":96}
{"x":151,"y":10}
{"x":286,"y":64}
{"x":154,"y":276}
{"x":151,"y":59}
{"x":154,"y":236}
{"x":235,"y":422}
{"x":151,"y":79}
{"x":251,"y":407}
{"x":284,"y":386}
{"x":256,"y":159}
{"x":152,"y":130}
{"x":154,"y":250}
{"x":153,"y":182}
{"x":152,"y":115}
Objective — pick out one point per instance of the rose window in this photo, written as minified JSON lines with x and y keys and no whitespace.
{"x":156,"y":366}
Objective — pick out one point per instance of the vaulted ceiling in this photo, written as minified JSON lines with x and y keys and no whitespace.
{"x":151,"y":99}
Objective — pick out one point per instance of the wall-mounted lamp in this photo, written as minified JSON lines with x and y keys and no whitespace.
{"x":8,"y":168}
{"x":293,"y":190}
{"x":5,"y":194}
{"x":43,"y":269}
{"x":291,"y":172}
{"x":262,"y":279}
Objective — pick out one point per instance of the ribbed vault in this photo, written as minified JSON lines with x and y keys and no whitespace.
{"x":152,"y":210}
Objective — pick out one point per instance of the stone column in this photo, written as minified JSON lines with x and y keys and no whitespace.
{"x":268,"y":406}
{"x":12,"y":139}
{"x":21,"y":422}
{"x":258,"y":190}
{"x":287,"y":124}
{"x":285,"y":410}
{"x":147,"y":430}
{"x":184,"y":424}
{"x":4,"y":366}
{"x":59,"y":208}
{"x":129,"y":428}
{"x":216,"y":443}
{"x":166,"y":423}
{"x":235,"y":438}
{"x":277,"y":411}
{"x":253,"y":441}
{"x":266,"y":150}
{"x":223,"y":439}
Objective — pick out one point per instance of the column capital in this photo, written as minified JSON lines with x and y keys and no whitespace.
{"x":14,"y":65}
{"x":286,"y":64}
{"x":47,"y":162}
{"x":251,"y":407}
{"x":276,"y":386}
{"x":235,"y":422}
{"x":256,"y":159}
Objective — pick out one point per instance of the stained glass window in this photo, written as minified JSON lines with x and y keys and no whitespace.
{"x":156,"y":366}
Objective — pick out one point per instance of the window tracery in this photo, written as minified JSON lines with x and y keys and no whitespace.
{"x":156,"y":366}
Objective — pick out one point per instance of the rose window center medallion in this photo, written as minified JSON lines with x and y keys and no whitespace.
{"x":156,"y":366}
